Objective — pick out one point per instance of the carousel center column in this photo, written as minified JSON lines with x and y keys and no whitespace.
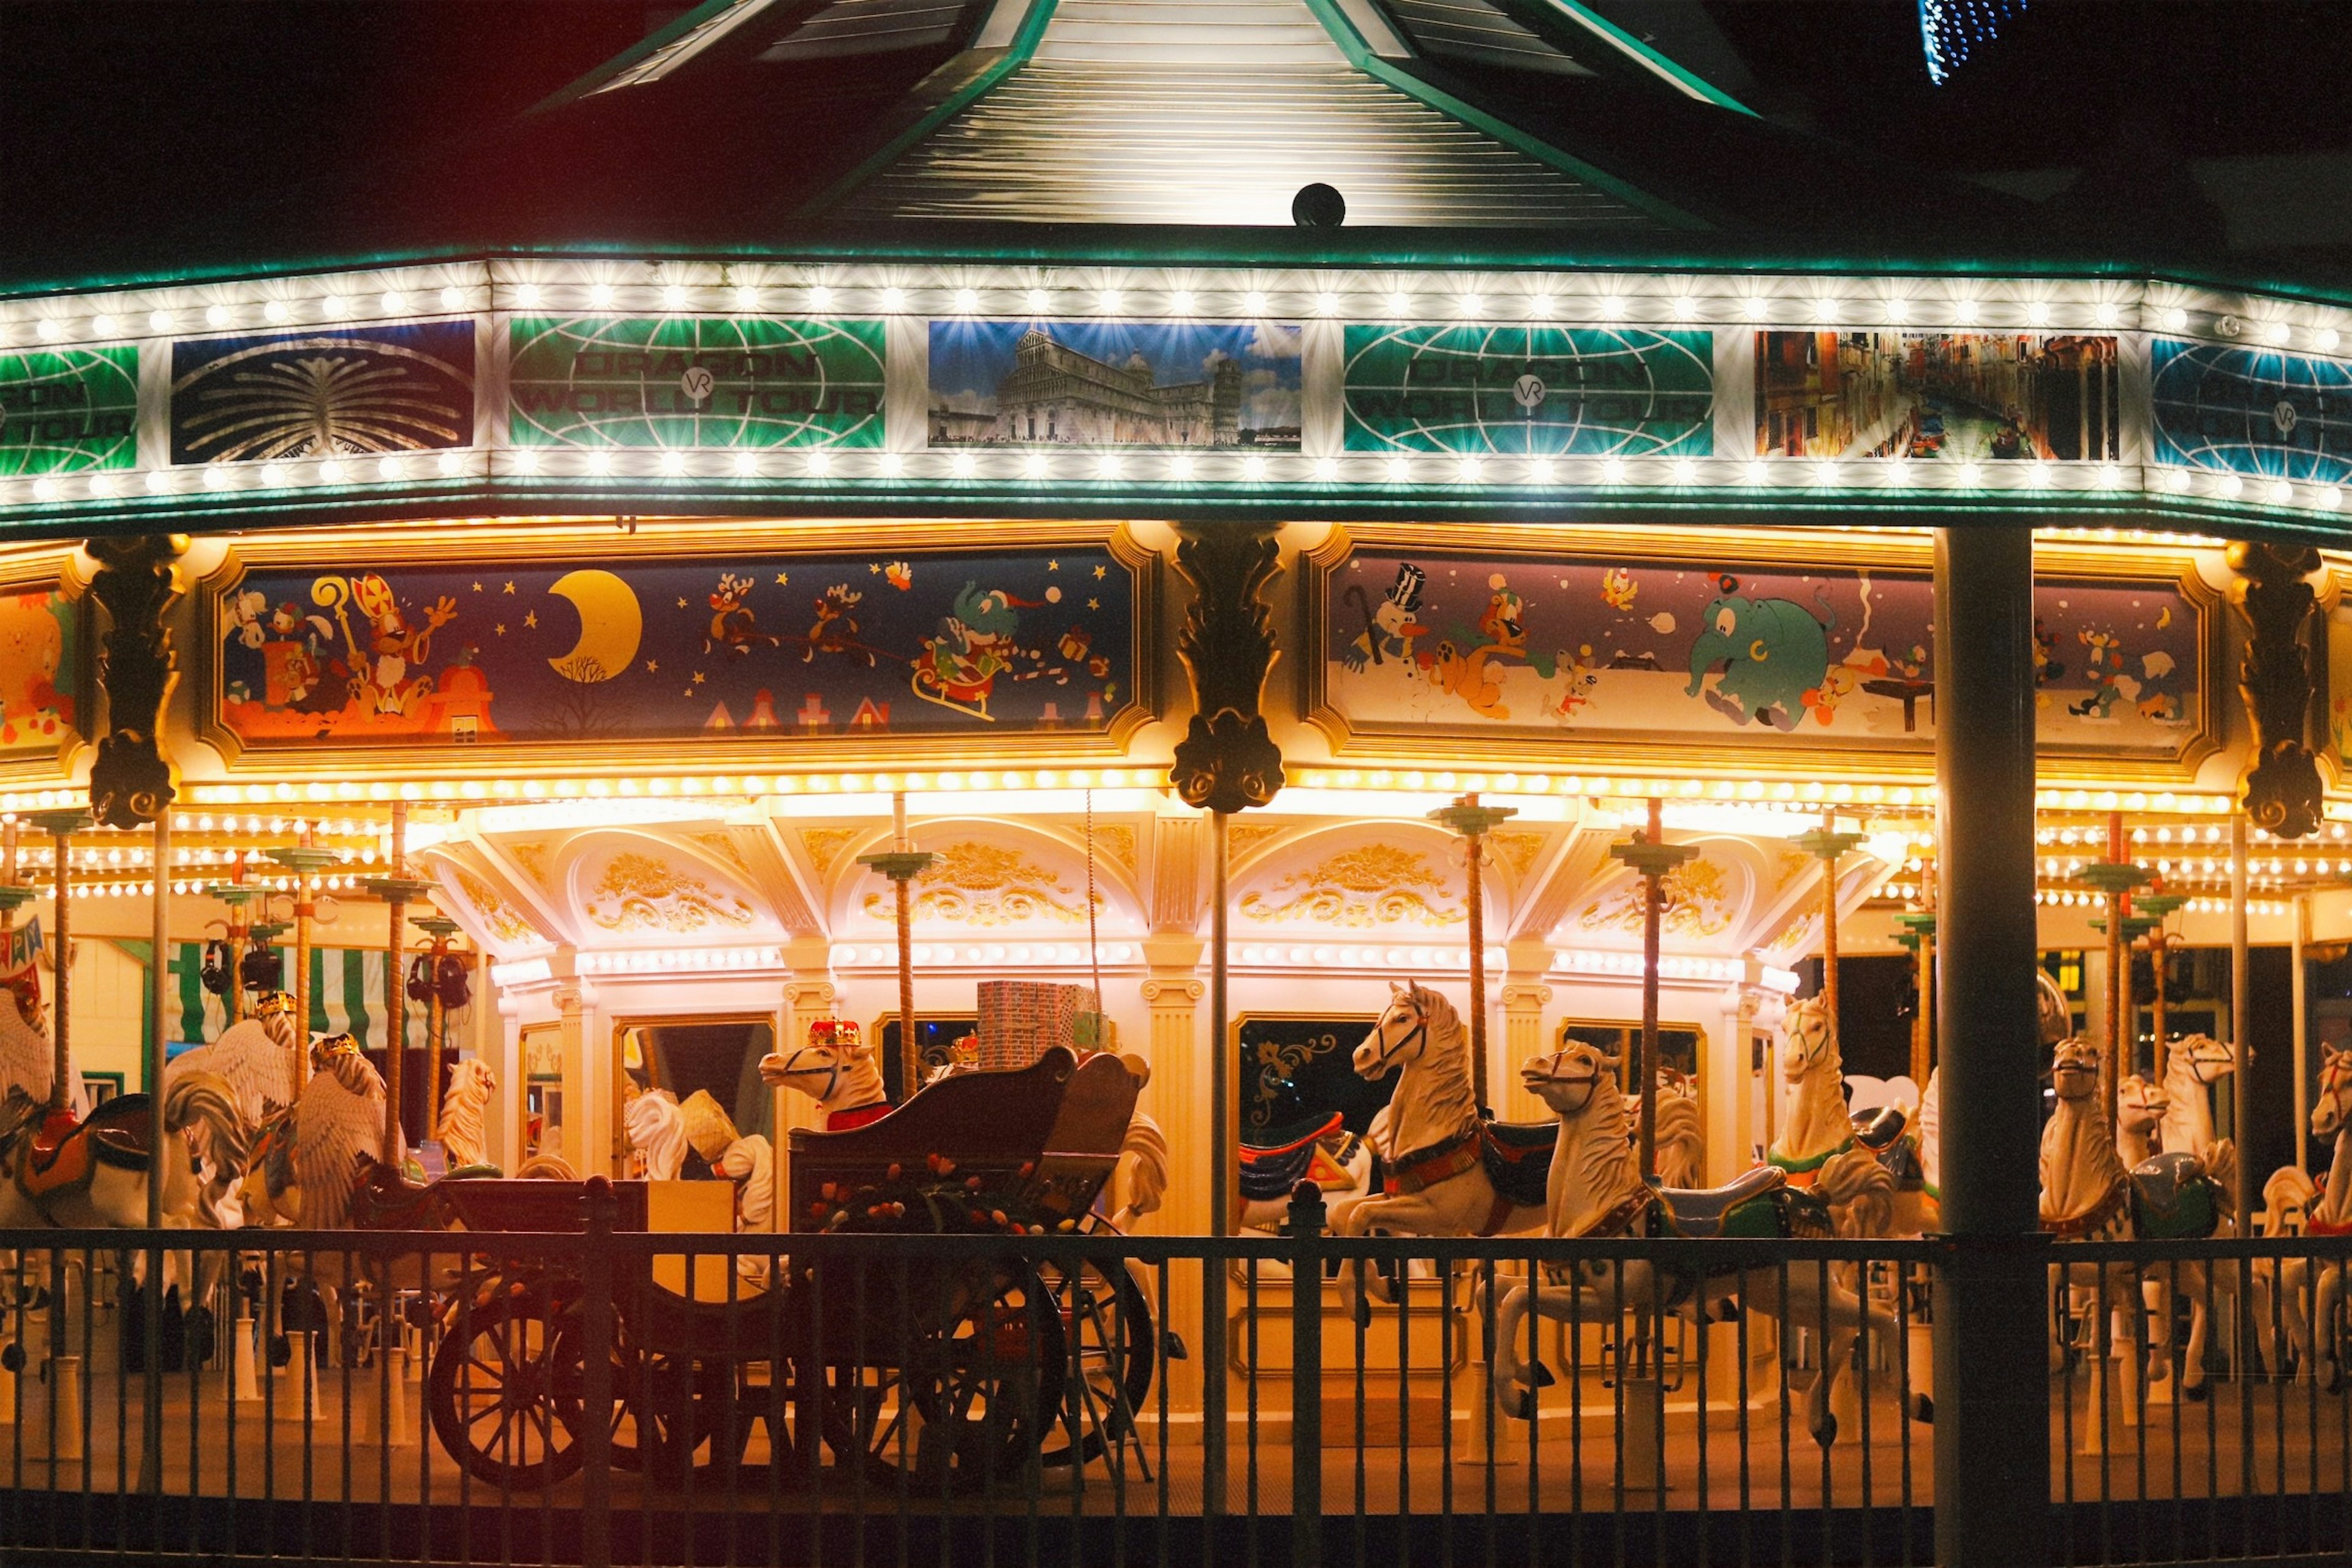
{"x":1991,"y":1490}
{"x":1524,"y":995}
{"x":810,"y":995}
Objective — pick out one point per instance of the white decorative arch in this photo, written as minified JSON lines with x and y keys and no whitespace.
{"x":993,"y":874}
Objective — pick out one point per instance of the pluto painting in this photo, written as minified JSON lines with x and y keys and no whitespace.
{"x":752,"y":646}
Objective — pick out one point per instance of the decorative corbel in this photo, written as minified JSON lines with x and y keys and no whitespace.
{"x":1226,"y":760}
{"x":130,"y":779}
{"x":2280,"y":788}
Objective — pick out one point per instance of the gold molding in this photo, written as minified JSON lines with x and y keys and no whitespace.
{"x":1907,"y":550}
{"x":402,"y":757}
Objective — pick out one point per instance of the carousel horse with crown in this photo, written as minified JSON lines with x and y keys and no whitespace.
{"x":1595,"y":1190}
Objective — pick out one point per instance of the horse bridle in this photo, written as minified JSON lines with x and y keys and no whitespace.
{"x":832,"y":1075}
{"x":1809,"y":1055}
{"x":2336,"y":1083}
{"x":1419,"y":1028}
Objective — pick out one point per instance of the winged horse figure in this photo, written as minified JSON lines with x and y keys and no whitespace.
{"x":256,"y":1058}
{"x":310,"y":1158}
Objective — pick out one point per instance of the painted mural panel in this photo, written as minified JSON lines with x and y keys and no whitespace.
{"x":1634,"y":648}
{"x":68,"y":410}
{"x":1115,"y":383}
{"x":1531,"y":391}
{"x":40,"y":669}
{"x":323,"y":395}
{"x":1954,"y":397}
{"x":695,"y":381}
{"x":2251,"y":411}
{"x":739,"y":647}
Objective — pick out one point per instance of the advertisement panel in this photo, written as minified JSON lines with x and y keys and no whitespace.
{"x":689,"y":381}
{"x":323,"y":395}
{"x":68,"y":410}
{"x":1530,"y":390}
{"x":1952,"y":397}
{"x":1115,"y":383}
{"x":2253,"y":411}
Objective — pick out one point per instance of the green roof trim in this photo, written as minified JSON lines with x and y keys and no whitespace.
{"x":1359,"y":55}
{"x":1015,"y":56}
{"x":1680,"y":75}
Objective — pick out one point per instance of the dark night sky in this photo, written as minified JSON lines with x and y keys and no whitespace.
{"x":116,"y":106}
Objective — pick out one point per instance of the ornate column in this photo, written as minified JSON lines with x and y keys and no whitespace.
{"x":809,"y":994}
{"x":137,"y":581}
{"x":1524,"y":995}
{"x":2279,"y":789}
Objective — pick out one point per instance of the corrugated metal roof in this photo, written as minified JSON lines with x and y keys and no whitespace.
{"x":868,"y":27}
{"x":1479,"y":30}
{"x":1216,"y":112}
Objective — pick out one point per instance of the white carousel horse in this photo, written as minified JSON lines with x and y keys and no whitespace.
{"x":255,"y":1057}
{"x":1818,"y":1132}
{"x":842,"y":1079}
{"x":464,"y":1107}
{"x":2140,"y":1108}
{"x":1596,"y":1190}
{"x":309,"y":1159}
{"x":750,"y":1163}
{"x":96,"y":1174}
{"x":2309,"y":1305}
{"x":2086,"y":1188}
{"x":1140,"y":1177}
{"x":2191,"y":1065}
{"x":1679,"y":1134}
{"x":655,"y":1126}
{"x":1437,"y":1183}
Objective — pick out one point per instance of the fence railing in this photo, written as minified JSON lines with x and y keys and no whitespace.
{"x":480,"y":1397}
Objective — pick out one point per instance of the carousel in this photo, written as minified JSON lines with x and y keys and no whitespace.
{"x":1119,"y":719}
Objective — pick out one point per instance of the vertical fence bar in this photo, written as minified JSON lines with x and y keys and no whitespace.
{"x":596,"y":1380}
{"x":1305,"y":1231}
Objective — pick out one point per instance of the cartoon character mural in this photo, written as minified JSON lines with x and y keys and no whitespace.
{"x":35,"y":660}
{"x":959,"y":667}
{"x":734,"y":626}
{"x":2103,"y":665}
{"x":1391,"y":628}
{"x":1773,"y":652}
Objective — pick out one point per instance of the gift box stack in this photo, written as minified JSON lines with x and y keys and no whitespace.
{"x":1021,"y":1019}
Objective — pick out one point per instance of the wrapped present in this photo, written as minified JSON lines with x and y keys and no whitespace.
{"x":1020,"y":1020}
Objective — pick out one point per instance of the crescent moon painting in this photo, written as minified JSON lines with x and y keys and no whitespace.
{"x":611,"y":624}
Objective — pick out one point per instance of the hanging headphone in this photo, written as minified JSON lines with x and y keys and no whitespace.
{"x":420,"y":978}
{"x":214,"y":972}
{"x":262,"y":969}
{"x":452,"y":982}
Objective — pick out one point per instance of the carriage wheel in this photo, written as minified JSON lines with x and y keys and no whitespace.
{"x":493,"y":1395}
{"x":1108,"y":1323}
{"x":974,"y":1404}
{"x":664,"y":1407}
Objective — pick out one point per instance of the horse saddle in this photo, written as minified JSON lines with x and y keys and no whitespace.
{"x":1271,"y":1171}
{"x":2173,"y":1199}
{"x":1881,"y":1129}
{"x":67,"y":1153}
{"x":1708,"y":1211}
{"x":1518,"y":1156}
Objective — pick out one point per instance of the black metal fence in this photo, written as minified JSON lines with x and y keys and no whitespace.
{"x":475,"y":1398}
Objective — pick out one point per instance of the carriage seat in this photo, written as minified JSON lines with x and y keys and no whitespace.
{"x":1879,"y":1130}
{"x":1699,"y":1211}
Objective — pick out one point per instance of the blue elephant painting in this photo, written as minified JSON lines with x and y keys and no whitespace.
{"x":1772,"y":653}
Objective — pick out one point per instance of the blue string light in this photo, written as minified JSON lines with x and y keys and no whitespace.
{"x":1949,"y":29}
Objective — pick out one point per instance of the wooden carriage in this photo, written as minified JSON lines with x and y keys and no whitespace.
{"x":956,"y":1368}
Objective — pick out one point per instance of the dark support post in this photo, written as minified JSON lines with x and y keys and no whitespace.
{"x":596,"y":1319}
{"x":1306,"y":1227}
{"x":1991,"y":1490}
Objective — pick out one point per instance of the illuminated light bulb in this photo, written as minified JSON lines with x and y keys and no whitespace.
{"x":746,"y":297}
{"x":1613,"y":470}
{"x":600,"y":295}
{"x":273,"y":474}
{"x":529,"y":295}
{"x":1760,"y":472}
{"x":2176,"y":320}
{"x":1400,"y":303}
{"x":967,"y":300}
{"x":1540,"y":306}
{"x":1825,"y":473}
{"x":2325,"y":339}
{"x":274,"y":311}
{"x":1180,"y":466}
{"x":101,"y":486}
{"x":1181,"y":301}
{"x":961,"y":466}
{"x":1327,"y":469}
{"x":1113,"y":303}
{"x":2282,"y":492}
{"x":1825,"y":308}
{"x":673,"y":463}
{"x":102,"y":324}
{"x":2037,"y":313}
{"x":1684,"y":307}
{"x":2106,"y":313}
{"x":1473,"y":307}
{"x":449,"y":463}
{"x":1897,"y":472}
{"x":1965,"y":310}
{"x":893,"y":299}
{"x":1686,"y":471}
{"x":2038,"y":475}
{"x":820,"y":463}
{"x":1898,"y":310}
{"x":1398,"y":471}
{"x":1971,"y":474}
{"x":1612,"y":307}
{"x":394,"y":301}
{"x":2330,"y":498}
{"x":331,"y":473}
{"x":2177,"y":480}
{"x":892,"y":465}
{"x":1757,"y":307}
{"x":1107,"y":465}
{"x":215,"y":477}
{"x":2110,"y":476}
{"x":1033,"y":465}
{"x":45,"y":489}
{"x":600,"y":464}
{"x":216,"y":315}
{"x":1471,"y":470}
{"x":526,"y":461}
{"x":452,"y":298}
{"x":1254,"y":303}
{"x":159,"y":321}
{"x":1253,"y":467}
{"x":820,"y":297}
{"x":1326,"y":304}
{"x":1037,"y":302}
{"x":2231,"y":485}
{"x":2276,"y":333}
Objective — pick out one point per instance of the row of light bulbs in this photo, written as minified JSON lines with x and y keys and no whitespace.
{"x":2068,"y":898}
{"x":1540,"y":299}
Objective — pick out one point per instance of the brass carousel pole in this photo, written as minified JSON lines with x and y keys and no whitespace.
{"x":2114,"y":876}
{"x":1829,"y":846}
{"x":439,"y":928}
{"x":1474,"y":822}
{"x":306,"y":860}
{"x":902,"y":863}
{"x":14,"y":896}
{"x":61,"y":825}
{"x":1919,"y":936}
{"x":1650,"y":856}
{"x":397,"y":890}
